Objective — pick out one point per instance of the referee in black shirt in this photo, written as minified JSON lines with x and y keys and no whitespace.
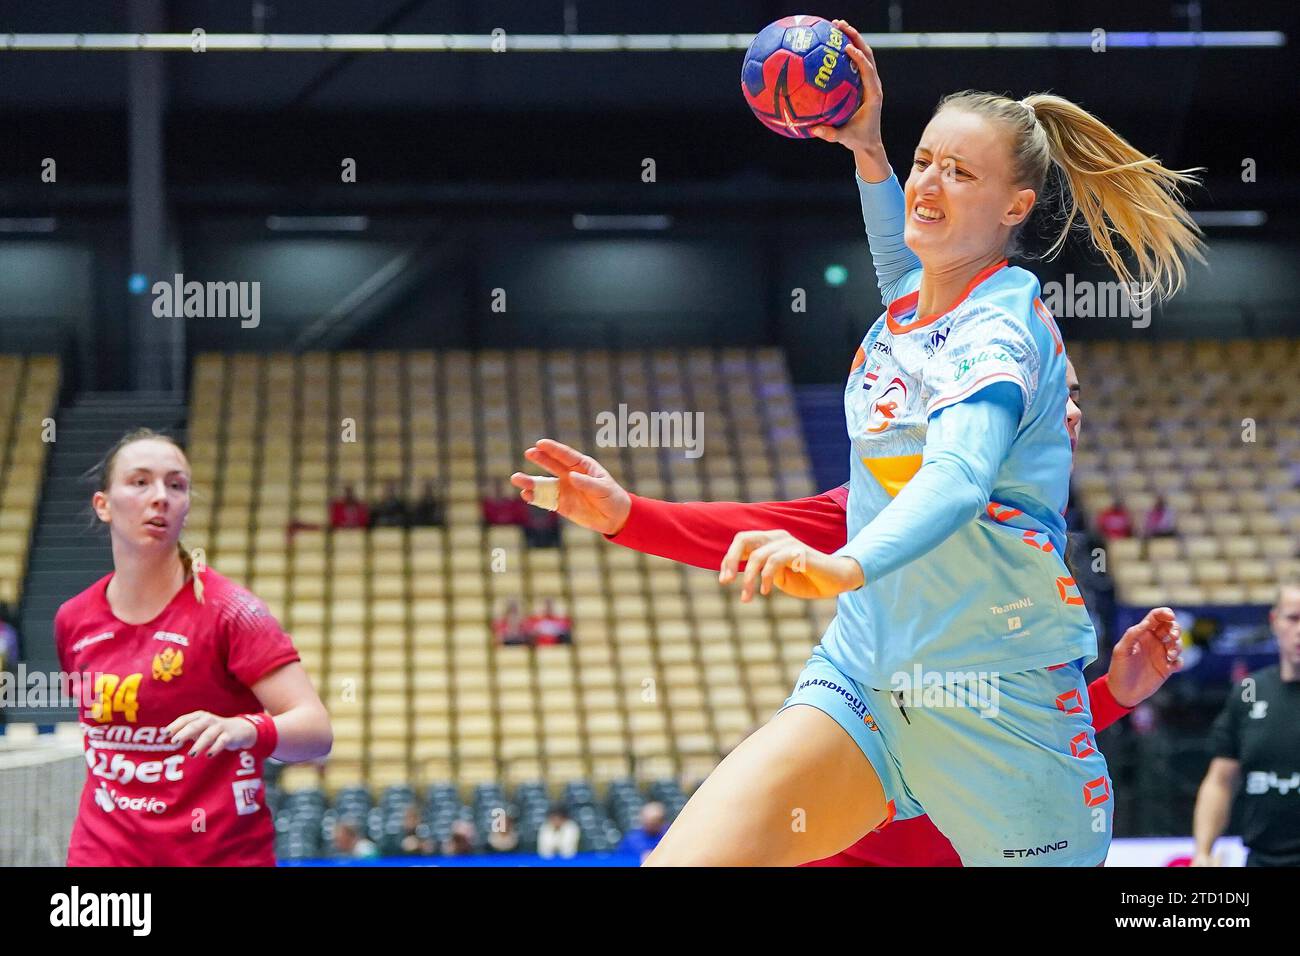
{"x":1256,"y":744}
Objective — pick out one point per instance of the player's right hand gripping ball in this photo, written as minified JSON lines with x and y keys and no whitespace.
{"x":797,"y":75}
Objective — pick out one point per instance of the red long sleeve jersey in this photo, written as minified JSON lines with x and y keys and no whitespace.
{"x":700,"y":532}
{"x":146,"y":801}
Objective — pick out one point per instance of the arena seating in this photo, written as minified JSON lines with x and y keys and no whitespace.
{"x":29,"y":388}
{"x":666,"y":671}
{"x":1224,"y":457}
{"x":305,"y":818}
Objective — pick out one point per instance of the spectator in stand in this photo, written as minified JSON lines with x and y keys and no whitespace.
{"x":558,"y":836}
{"x":391,"y":511}
{"x":1160,"y":520}
{"x":548,"y":627}
{"x":1114,"y":522}
{"x":8,"y":650}
{"x":511,"y":627}
{"x":654,"y":821}
{"x":349,"y":842}
{"x":416,"y":839}
{"x":349,"y":511}
{"x":8,"y":638}
{"x":502,"y":836}
{"x":462,"y":839}
{"x":499,"y":508}
{"x":428,"y":511}
{"x":541,"y":528}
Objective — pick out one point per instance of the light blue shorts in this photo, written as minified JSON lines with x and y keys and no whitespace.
{"x":1006,"y":766}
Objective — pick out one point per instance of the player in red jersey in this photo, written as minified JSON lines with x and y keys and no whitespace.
{"x":702,"y":533}
{"x":195,"y":685}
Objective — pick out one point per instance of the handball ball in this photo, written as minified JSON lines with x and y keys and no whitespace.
{"x":798,"y":75}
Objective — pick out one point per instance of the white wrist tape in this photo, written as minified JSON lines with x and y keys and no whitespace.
{"x":546,"y":493}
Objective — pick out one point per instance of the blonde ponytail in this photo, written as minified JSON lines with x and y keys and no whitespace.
{"x":1121,"y":193}
{"x":187,"y":562}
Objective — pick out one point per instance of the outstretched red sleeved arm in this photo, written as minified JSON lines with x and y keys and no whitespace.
{"x":700,"y":532}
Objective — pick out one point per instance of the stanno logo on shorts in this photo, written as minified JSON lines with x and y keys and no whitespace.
{"x":1036,"y":850}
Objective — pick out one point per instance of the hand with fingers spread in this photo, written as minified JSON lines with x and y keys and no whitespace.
{"x":862,"y":132}
{"x":779,"y":558}
{"x":588,"y":495}
{"x":212,"y":734}
{"x":1145,"y":657}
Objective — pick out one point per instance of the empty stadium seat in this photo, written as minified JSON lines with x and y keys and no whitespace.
{"x":394,"y":624}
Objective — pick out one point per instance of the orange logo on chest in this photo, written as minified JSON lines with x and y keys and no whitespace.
{"x":167,"y":664}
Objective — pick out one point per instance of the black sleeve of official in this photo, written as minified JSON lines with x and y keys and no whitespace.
{"x":1225,"y":737}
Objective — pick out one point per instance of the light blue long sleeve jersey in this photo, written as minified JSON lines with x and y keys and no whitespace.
{"x":959,"y":473}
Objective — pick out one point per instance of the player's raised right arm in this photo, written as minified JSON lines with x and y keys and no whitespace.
{"x":878,"y":188}
{"x":861,"y":133}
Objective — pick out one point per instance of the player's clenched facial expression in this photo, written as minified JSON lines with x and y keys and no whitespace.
{"x":1285,"y":618}
{"x":148,"y":494}
{"x":960,"y":199}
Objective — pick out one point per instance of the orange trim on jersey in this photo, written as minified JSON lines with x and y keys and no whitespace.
{"x":858,"y":359}
{"x":1081,"y":746}
{"x":1072,"y":698}
{"x":893,"y":473}
{"x":908,"y":302}
{"x":1096,"y":792}
{"x":890,"y":812}
{"x":1041,"y":310}
{"x":1031,"y":538}
{"x":1062,"y":585}
{"x":999,"y":512}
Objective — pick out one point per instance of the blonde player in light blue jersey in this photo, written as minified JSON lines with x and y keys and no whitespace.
{"x":952,"y":579}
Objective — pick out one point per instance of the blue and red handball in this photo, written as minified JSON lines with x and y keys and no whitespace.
{"x":798,"y":75}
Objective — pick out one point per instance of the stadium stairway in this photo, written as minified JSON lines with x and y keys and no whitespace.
{"x":68,"y":553}
{"x":821,"y":412}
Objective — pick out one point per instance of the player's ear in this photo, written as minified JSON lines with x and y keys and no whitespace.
{"x":99,"y":501}
{"x":1020,"y":207}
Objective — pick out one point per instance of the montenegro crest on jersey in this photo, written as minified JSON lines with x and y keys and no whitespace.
{"x":167,"y":664}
